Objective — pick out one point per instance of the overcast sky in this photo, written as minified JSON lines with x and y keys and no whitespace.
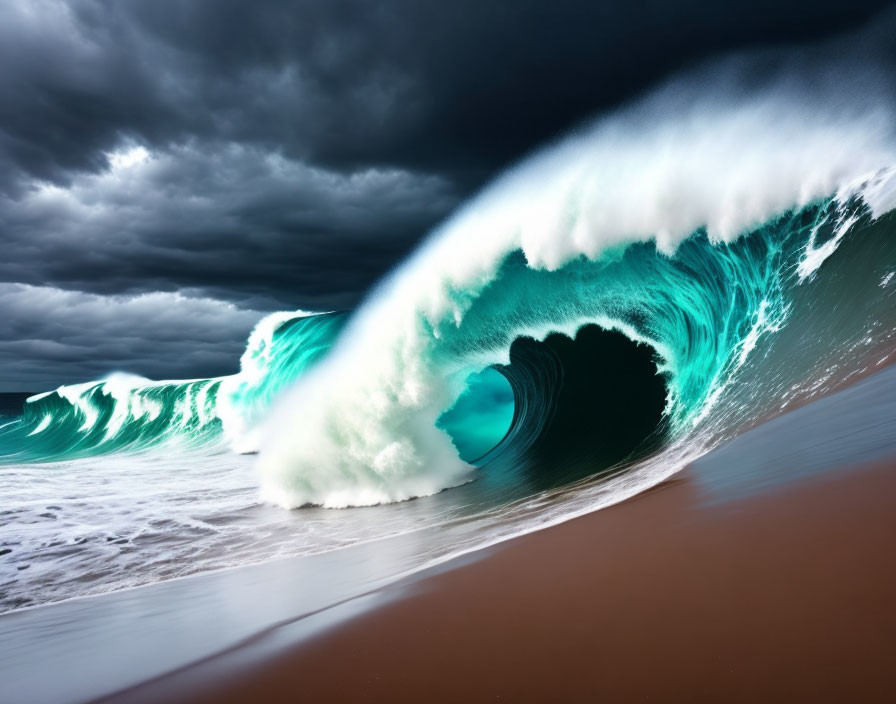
{"x":170,"y":170}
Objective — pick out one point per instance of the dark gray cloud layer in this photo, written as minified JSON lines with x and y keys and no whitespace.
{"x":275,"y":154}
{"x":236,"y":222}
{"x":54,"y":336}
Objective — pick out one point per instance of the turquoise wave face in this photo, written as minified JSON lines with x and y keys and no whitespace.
{"x":739,"y":331}
{"x":702,"y":310}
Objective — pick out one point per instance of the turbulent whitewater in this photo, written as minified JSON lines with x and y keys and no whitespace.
{"x":617,"y":304}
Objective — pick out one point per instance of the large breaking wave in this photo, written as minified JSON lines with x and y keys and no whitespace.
{"x":686,"y":224}
{"x":661,"y":278}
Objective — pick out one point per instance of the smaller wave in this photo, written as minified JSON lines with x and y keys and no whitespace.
{"x":126,"y":412}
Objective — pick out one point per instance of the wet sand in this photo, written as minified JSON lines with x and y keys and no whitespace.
{"x":784,"y":596}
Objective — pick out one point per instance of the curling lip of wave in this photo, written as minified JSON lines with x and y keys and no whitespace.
{"x":361,"y":427}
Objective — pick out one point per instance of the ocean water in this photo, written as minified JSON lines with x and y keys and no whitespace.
{"x":614,"y":307}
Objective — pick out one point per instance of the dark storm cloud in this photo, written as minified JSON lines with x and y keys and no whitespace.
{"x":278,"y":154}
{"x":54,"y":336}
{"x":222,"y":219}
{"x":463,"y":85}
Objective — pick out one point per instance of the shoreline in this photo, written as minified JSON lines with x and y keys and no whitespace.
{"x":782,"y":596}
{"x":882,"y":366}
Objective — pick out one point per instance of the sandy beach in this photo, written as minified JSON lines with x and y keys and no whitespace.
{"x":783,"y":596}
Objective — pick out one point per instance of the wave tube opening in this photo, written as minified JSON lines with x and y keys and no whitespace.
{"x":583,"y":404}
